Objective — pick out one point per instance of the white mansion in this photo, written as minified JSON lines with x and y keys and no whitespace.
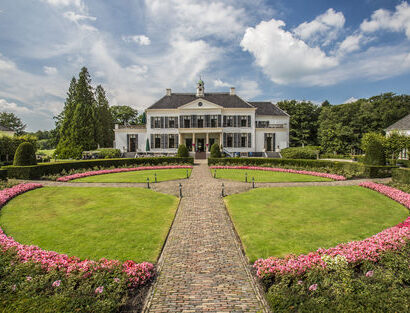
{"x":201,"y":119}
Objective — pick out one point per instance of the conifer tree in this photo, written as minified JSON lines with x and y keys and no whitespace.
{"x":105,"y":133}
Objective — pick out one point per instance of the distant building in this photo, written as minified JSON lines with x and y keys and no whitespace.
{"x":4,"y":131}
{"x":201,"y":119}
{"x":402,"y":126}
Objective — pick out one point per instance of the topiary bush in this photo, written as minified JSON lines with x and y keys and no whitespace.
{"x":215,"y":151}
{"x":373,"y":146}
{"x":25,"y":155}
{"x":299,"y":153}
{"x":109,"y":153}
{"x":182,"y":152}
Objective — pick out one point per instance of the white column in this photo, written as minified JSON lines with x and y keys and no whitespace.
{"x":179,"y":139}
{"x":193,"y":142}
{"x":220,"y":139}
{"x":207,"y":143}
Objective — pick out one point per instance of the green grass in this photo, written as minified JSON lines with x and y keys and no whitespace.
{"x":48,"y":152}
{"x":92,"y":222}
{"x":279,"y":221}
{"x":265,"y":176}
{"x":137,"y":176}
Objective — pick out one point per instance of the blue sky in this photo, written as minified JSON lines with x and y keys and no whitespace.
{"x":268,"y":50}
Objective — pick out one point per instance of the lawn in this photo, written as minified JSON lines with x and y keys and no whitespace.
{"x":279,"y":221}
{"x":92,"y":222}
{"x":265,"y":176}
{"x":137,"y":176}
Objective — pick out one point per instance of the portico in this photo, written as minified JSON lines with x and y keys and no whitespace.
{"x":198,"y":140}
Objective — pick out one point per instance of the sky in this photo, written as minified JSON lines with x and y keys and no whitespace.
{"x":269,"y":50}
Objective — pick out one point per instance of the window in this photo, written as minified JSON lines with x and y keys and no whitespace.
{"x":214,"y":120}
{"x":229,"y":121}
{"x":157,"y":144}
{"x":229,"y":140}
{"x":157,"y":122}
{"x":244,"y":121}
{"x":187,"y":122}
{"x":244,"y":138}
{"x":172,"y":141}
{"x":171,"y":122}
{"x":200,"y":121}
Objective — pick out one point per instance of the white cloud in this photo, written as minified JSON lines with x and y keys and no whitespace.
{"x":323,"y":29}
{"x":6,"y":64}
{"x":6,"y":106}
{"x":219,"y":83}
{"x":249,"y":89}
{"x":350,"y":43}
{"x":398,"y":21}
{"x":193,"y":19}
{"x":50,"y":70}
{"x":282,"y":56}
{"x":142,"y":40}
{"x":350,"y":100}
{"x":64,"y":3}
{"x":74,"y":17}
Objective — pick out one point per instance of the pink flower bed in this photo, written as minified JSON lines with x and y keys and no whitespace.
{"x":284,"y":170}
{"x":393,"y":238}
{"x":120,"y":170}
{"x":138,"y":273}
{"x":395,"y":194}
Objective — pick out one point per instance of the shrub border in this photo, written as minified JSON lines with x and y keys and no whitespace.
{"x":44,"y":169}
{"x":138,"y":273}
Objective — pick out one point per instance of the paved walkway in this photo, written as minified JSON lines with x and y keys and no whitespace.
{"x":202,"y":267}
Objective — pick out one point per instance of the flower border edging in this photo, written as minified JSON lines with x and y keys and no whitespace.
{"x":120,"y":170}
{"x":278,"y":169}
{"x":138,"y":273}
{"x":393,"y":238}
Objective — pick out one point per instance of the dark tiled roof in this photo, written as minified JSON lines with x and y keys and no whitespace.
{"x":176,"y":100}
{"x":268,"y":108}
{"x":5,"y":129}
{"x":403,"y":124}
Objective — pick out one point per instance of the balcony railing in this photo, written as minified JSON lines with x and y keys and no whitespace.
{"x":269,"y":125}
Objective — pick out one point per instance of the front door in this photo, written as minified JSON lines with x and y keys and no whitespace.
{"x":188,"y":143}
{"x":200,"y":145}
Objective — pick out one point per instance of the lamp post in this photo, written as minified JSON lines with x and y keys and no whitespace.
{"x":148,"y":182}
{"x":180,"y":190}
{"x":246,"y":177}
{"x":155,"y":177}
{"x":223,"y":190}
{"x":253,"y":182}
{"x":187,"y":175}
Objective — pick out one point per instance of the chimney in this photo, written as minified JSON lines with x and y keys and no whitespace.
{"x":232,"y":91}
{"x":168,"y":91}
{"x":116,"y":126}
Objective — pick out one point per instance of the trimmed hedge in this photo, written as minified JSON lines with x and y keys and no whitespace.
{"x":299,"y":153}
{"x":3,"y":174}
{"x":25,"y":155}
{"x":401,"y":175}
{"x":36,"y":171}
{"x":359,"y":169}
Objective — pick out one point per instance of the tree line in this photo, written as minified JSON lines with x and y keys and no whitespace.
{"x":339,"y":128}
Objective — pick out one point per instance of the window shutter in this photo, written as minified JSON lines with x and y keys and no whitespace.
{"x":163,"y":141}
{"x":265,"y":141}
{"x":219,"y":120}
{"x":224,"y":140}
{"x":194,"y":121}
{"x":152,"y":141}
{"x":274,"y":141}
{"x":235,"y":139}
{"x":249,"y":140}
{"x":249,"y":121}
{"x":162,"y":122}
{"x":181,"y":121}
{"x":176,"y":122}
{"x":128,"y":143}
{"x":207,"y":120}
{"x":152,"y":122}
{"x":224,"y":125}
{"x":177,"y":140}
{"x":166,"y":122}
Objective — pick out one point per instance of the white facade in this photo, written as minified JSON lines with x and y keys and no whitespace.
{"x":232,"y":123}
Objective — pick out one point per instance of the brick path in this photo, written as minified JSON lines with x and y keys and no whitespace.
{"x":202,"y":268}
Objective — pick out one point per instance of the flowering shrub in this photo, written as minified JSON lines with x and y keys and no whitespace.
{"x":395,"y":194}
{"x":120,"y":170}
{"x":138,"y":273}
{"x":369,"y":249}
{"x":285,"y":170}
